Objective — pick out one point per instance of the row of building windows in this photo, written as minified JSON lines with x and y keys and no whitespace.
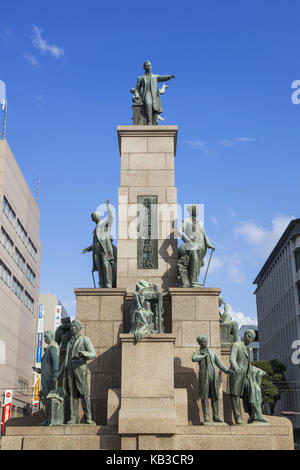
{"x":11,"y":215}
{"x":297,"y":259}
{"x":13,"y":283}
{"x":6,"y":241}
{"x":18,"y":257}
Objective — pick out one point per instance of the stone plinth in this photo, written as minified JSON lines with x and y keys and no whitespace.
{"x":147,"y":169}
{"x":147,"y":385}
{"x":277,"y":436}
{"x":101,"y":313}
{"x":80,"y":437}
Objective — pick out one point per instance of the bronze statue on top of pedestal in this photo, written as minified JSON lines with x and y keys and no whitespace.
{"x":146,"y":101}
{"x":192,"y":252}
{"x":208,"y":379}
{"x":104,"y":259}
{"x":245,"y":382}
{"x":75,"y":373}
{"x":49,"y":372}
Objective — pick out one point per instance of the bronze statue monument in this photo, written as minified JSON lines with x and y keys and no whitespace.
{"x":103,"y":251}
{"x":75,"y":374}
{"x":49,"y":372}
{"x":192,"y":252}
{"x":208,"y":379}
{"x":146,"y":101}
{"x":245,"y":382}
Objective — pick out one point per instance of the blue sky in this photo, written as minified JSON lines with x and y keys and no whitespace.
{"x":68,"y":68}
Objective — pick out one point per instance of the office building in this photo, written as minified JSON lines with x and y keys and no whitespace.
{"x":278,"y":313}
{"x":20,"y":256}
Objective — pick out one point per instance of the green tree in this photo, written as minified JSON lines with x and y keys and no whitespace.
{"x":273,"y":383}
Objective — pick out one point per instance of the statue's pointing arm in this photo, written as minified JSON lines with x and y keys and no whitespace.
{"x":110,"y":217}
{"x":85,"y":250}
{"x":164,"y":78}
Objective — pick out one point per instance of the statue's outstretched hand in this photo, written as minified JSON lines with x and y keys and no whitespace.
{"x":84,"y":251}
{"x":172,"y":76}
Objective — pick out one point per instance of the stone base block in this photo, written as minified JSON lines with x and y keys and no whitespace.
{"x":80,"y":437}
{"x":277,"y":436}
{"x":114,"y":403}
{"x":147,"y":421}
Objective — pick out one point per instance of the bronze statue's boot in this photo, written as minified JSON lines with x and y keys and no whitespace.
{"x":47,"y":419}
{"x":204,"y":402}
{"x":236,"y":408}
{"x":86,"y":406}
{"x":215,"y":410}
{"x":74,"y":411}
{"x":217,"y":419}
{"x":257,"y":415}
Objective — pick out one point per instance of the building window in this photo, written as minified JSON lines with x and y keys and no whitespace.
{"x":29,"y":302}
{"x":8,"y":211}
{"x":5,"y":274}
{"x":298,"y":288}
{"x":255,"y":354}
{"x":21,"y":231}
{"x":297,"y":259}
{"x":22,"y":386}
{"x":17,"y":288}
{"x":6,"y":241}
{"x":30,"y":275}
{"x":20,"y":260}
{"x":32,"y":249}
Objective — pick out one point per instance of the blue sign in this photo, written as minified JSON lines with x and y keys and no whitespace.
{"x":41,"y":310}
{"x":38,"y":354}
{"x":40,"y":340}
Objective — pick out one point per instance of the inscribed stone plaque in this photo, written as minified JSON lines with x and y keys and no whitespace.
{"x":147,"y":254}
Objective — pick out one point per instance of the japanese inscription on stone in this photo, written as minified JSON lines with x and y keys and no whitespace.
{"x":147,"y":257}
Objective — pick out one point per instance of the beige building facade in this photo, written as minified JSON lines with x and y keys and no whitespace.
{"x":20,"y":256}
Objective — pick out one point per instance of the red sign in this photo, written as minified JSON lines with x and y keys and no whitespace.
{"x":6,"y":408}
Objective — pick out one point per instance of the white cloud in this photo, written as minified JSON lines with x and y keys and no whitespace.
{"x":42,"y":44}
{"x":261,"y":239}
{"x":236,"y":141}
{"x":240,"y":317}
{"x":214,"y":220}
{"x":199,"y":144}
{"x":230,"y":264}
{"x":31,"y":59}
{"x":215,"y":264}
